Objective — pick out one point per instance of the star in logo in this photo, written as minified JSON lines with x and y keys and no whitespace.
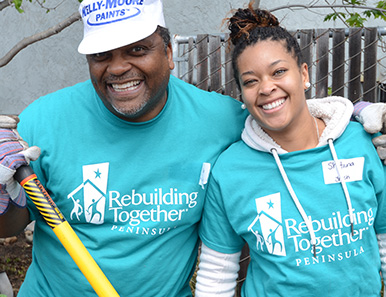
{"x":270,"y":204}
{"x":97,"y":174}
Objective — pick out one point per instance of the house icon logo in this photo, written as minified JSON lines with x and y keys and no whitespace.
{"x":267,"y":225}
{"x":89,"y":198}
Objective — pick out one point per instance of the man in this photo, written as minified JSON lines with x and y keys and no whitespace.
{"x":129,"y":152}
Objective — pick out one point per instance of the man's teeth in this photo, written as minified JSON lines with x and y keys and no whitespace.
{"x":273,"y":104}
{"x":126,"y":86}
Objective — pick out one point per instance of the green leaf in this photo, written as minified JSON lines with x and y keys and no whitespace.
{"x":375,"y":14}
{"x":18,"y":5}
{"x":381,"y":4}
{"x":355,"y":20}
{"x":329,"y":17}
{"x":354,"y":2}
{"x":333,"y":16}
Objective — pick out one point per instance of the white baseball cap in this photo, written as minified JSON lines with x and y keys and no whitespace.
{"x":110,"y":24}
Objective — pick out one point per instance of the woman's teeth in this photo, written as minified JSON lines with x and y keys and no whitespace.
{"x":273,"y":104}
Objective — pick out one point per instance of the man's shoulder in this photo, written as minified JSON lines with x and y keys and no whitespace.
{"x":62,"y":97}
{"x":81,"y":88}
{"x":177,"y":84}
{"x":202,"y":100}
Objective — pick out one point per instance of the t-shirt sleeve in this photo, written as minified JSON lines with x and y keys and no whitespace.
{"x":215,"y":229}
{"x":380,"y":221}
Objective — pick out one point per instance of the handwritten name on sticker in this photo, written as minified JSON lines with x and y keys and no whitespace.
{"x":351,"y":170}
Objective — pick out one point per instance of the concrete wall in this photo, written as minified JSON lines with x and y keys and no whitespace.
{"x":54,"y":63}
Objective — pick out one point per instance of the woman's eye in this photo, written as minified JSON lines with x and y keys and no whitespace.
{"x":280,"y":71}
{"x":248,"y":82}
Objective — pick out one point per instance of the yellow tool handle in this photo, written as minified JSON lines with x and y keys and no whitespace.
{"x":71,"y":242}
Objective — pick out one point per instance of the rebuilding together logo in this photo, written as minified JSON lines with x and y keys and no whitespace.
{"x":160,"y":207}
{"x":108,"y":11}
{"x":272,"y":232}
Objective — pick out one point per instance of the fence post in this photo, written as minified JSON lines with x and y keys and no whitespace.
{"x":369,"y":65}
{"x":321,"y":85}
{"x":215,"y":63}
{"x":306,"y":47}
{"x":230,"y":83}
{"x":202,"y":61}
{"x":354,"y":80}
{"x":338,"y":62}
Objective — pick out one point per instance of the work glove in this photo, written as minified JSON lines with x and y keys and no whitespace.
{"x":14,"y":152}
{"x":373,"y":118}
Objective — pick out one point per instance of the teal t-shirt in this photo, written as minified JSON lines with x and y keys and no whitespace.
{"x":247,"y":201}
{"x":131,"y":191}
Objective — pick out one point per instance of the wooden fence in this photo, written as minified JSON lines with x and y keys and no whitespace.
{"x":343,"y":62}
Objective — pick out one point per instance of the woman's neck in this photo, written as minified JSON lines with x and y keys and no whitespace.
{"x":302,"y":137}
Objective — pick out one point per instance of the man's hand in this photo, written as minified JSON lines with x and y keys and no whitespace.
{"x":380,"y":144}
{"x":373,"y":119}
{"x":14,"y":152}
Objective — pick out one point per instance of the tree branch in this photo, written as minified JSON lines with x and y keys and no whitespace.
{"x":325,"y":6}
{"x":37,"y":37}
{"x":4,"y":4}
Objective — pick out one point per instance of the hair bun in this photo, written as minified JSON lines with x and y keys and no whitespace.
{"x":246,"y":20}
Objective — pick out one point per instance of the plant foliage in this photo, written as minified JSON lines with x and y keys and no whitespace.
{"x":18,"y":4}
{"x":356,"y":19}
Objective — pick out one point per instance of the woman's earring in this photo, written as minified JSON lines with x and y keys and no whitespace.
{"x":243,"y":106}
{"x":308,"y":85}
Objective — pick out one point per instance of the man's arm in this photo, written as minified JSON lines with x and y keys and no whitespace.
{"x":373,"y":118}
{"x":14,"y":153}
{"x":371,"y":115}
{"x":13,"y":221}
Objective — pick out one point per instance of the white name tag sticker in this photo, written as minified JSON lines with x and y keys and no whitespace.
{"x":351,"y":170}
{"x":205,"y":170}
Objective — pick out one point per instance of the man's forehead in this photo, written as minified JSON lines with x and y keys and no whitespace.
{"x":153,"y":39}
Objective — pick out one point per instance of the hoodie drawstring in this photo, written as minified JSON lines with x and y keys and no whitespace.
{"x":343,"y":183}
{"x":296,"y":200}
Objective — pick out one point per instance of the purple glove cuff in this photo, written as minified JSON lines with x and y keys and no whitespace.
{"x":20,"y":200}
{"x":7,"y":134}
{"x":9,"y":156}
{"x":358,"y":107}
{"x":4,"y":199}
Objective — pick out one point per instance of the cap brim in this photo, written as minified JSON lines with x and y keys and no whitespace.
{"x":96,"y":42}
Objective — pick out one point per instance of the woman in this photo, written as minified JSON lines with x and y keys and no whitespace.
{"x":312,"y":226}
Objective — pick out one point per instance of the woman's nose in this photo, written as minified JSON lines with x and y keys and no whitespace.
{"x":267,"y":86}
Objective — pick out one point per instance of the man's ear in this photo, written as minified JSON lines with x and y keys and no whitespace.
{"x":169,"y":53}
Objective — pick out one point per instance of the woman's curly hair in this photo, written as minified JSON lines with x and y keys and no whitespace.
{"x":245,"y":21}
{"x":249,"y":26}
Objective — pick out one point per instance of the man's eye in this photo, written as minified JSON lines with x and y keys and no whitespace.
{"x":138,"y":49}
{"x":99,"y":56}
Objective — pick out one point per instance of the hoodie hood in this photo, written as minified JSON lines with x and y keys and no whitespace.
{"x":336,"y":113}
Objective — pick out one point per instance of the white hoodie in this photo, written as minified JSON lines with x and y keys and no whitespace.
{"x":336,"y":113}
